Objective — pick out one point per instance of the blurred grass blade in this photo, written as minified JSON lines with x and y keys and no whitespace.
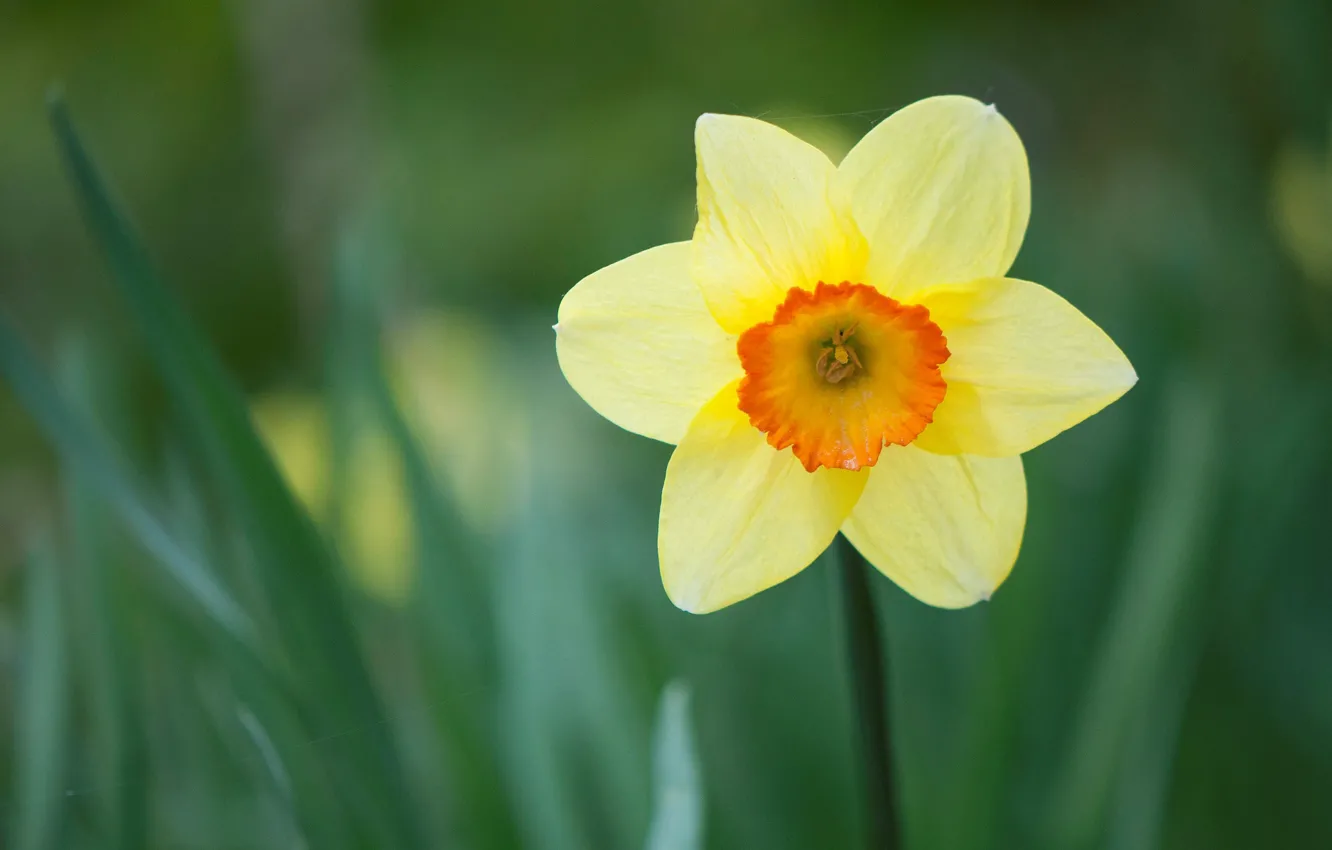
{"x":83,"y":448}
{"x":295,"y":565}
{"x":677,"y":816}
{"x":1151,"y":621}
{"x":274,"y":772}
{"x":456,"y":634}
{"x":117,"y":750}
{"x":1139,"y":802}
{"x":268,"y":754}
{"x":457,"y":639}
{"x":573,"y":733}
{"x":41,"y":722}
{"x":448,"y":551}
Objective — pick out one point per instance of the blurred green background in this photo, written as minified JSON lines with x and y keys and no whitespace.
{"x":446,"y":628}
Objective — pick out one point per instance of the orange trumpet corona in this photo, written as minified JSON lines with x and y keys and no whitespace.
{"x":841,"y":371}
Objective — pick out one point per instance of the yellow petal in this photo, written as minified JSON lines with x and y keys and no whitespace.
{"x":765,"y":221}
{"x":738,"y":516}
{"x":1024,"y":366}
{"x":946,"y":528}
{"x":636,"y":341}
{"x":941,"y":191}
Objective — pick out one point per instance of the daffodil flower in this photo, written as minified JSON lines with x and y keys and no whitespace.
{"x":838,"y":349}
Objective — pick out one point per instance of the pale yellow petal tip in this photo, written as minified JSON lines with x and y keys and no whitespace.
{"x":555,"y":327}
{"x":700,"y":597}
{"x":953,"y":598}
{"x":972,"y":596}
{"x":991,"y":114}
{"x":695,"y":597}
{"x":710,"y":124}
{"x":686,"y":602}
{"x":981,"y":593}
{"x":694,"y":609}
{"x":1128,"y":379}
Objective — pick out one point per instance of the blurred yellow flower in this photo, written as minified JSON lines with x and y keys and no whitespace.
{"x":469,"y":426}
{"x":295,"y":429}
{"x":376,"y":536}
{"x":858,"y":315}
{"x":466,"y":417}
{"x":378,"y":532}
{"x":1302,"y":207}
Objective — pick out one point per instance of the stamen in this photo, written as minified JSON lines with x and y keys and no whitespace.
{"x":838,"y":360}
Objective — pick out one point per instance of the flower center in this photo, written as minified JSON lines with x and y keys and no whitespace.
{"x":840,"y":372}
{"x":837,"y":360}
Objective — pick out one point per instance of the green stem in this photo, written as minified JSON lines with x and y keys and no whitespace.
{"x":869,"y":677}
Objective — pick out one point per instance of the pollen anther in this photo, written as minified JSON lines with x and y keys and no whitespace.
{"x":847,"y":361}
